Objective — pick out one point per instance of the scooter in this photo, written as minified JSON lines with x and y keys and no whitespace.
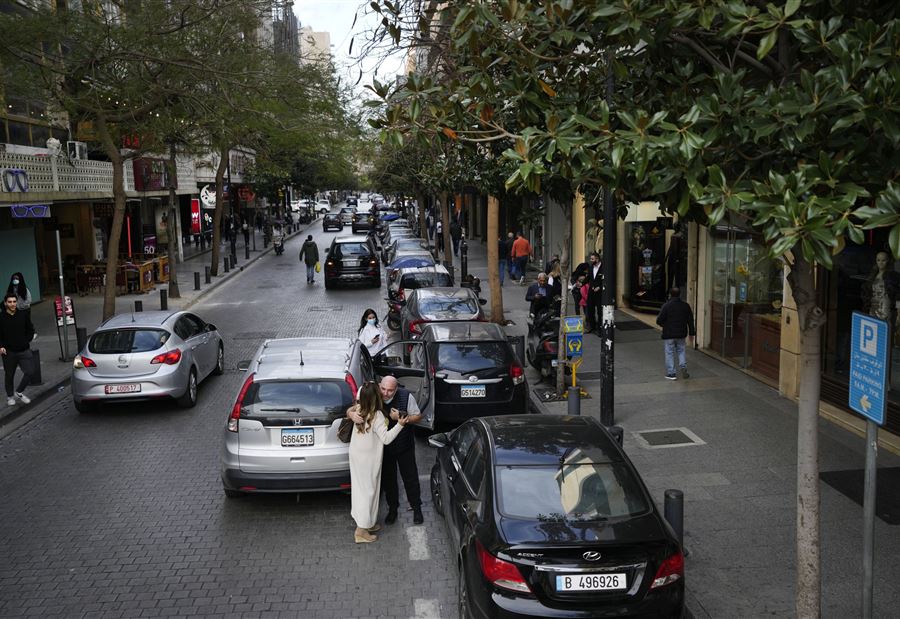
{"x":395,"y":306}
{"x":543,"y":339}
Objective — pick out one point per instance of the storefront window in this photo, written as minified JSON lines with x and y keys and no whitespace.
{"x":746,"y":298}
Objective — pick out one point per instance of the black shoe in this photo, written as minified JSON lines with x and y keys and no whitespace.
{"x":417,"y":516}
{"x":391,"y":517}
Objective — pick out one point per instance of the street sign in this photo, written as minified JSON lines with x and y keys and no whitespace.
{"x":574,"y":342}
{"x":573,"y":324}
{"x":868,"y":366}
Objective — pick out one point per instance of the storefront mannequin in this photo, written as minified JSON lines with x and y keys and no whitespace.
{"x":881,"y":292}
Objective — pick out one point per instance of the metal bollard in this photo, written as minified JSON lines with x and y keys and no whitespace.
{"x":574,"y":401}
{"x":196,"y":280}
{"x":163,"y":300}
{"x":233,"y":259}
{"x":674,"y":513}
{"x":225,"y":262}
{"x":208,"y":275}
{"x":246,"y":252}
{"x":139,"y":306}
{"x":36,"y":377}
{"x":618,"y":433}
{"x":81,"y":337}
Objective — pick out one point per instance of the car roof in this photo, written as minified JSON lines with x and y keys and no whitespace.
{"x":445,"y":291}
{"x":549,"y":440}
{"x":302,"y":358}
{"x":358,"y":238}
{"x":464,"y":331}
{"x":135,"y":320}
{"x":434,"y":268}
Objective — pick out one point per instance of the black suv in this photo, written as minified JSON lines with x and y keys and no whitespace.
{"x":363,"y":221}
{"x":352,"y":259}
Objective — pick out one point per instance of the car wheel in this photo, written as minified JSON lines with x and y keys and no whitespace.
{"x":436,"y":499}
{"x":189,"y":399}
{"x":462,"y":597}
{"x":220,"y":361}
{"x":85,"y":407}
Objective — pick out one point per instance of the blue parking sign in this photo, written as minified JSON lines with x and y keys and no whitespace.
{"x":868,"y":366}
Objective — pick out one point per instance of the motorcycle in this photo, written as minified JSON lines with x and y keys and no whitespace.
{"x":543,"y":338}
{"x":395,"y":306}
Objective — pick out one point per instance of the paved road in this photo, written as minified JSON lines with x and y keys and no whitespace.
{"x":120,"y":513}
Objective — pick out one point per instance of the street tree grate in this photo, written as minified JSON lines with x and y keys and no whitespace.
{"x":326,"y":308}
{"x":255,"y":335}
{"x":667,"y":437}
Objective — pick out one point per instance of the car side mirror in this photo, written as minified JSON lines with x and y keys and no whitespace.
{"x":438,"y":440}
{"x":210,"y":327}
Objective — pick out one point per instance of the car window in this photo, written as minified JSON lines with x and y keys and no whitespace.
{"x":462,"y":440}
{"x":569,"y":492}
{"x":350,"y":250}
{"x":473,"y":468}
{"x":308,"y":400}
{"x":429,"y":305}
{"x":466,"y":357}
{"x":185,"y":328}
{"x":197,"y":324}
{"x":118,"y":341}
{"x":425,"y":280}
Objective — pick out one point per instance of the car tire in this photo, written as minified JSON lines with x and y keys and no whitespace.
{"x":435,"y":482}
{"x":189,"y":399}
{"x":232,"y":494}
{"x":462,"y":595}
{"x":220,"y":361}
{"x":85,"y":407}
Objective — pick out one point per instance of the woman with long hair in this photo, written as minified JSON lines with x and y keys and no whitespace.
{"x":371,"y":333}
{"x":23,"y":295}
{"x":367,"y":443}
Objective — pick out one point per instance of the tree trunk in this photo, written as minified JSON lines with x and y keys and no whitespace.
{"x":171,"y":228}
{"x":445,"y":231}
{"x":115,"y":233}
{"x":420,"y":202}
{"x":220,"y":206}
{"x":811,"y":317}
{"x":564,"y":305}
{"x":493,"y":258}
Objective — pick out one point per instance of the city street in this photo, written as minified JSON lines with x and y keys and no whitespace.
{"x":121,"y":513}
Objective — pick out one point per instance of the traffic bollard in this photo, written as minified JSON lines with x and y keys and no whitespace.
{"x":139,"y":306}
{"x":574,"y":401}
{"x":225,"y":262}
{"x":233,"y":259}
{"x":36,"y":377}
{"x":617,"y":433}
{"x":463,"y":259}
{"x":246,"y":252}
{"x":196,"y":280}
{"x":81,"y":337}
{"x":674,"y":513}
{"x":163,"y":300}
{"x":207,"y":278}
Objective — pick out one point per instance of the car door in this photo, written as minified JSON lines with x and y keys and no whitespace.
{"x":406,"y":361}
{"x":207,"y":346}
{"x":455,"y":488}
{"x":189,"y":330}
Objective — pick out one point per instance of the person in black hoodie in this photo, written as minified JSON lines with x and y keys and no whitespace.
{"x":16,"y":333}
{"x":677,"y":322}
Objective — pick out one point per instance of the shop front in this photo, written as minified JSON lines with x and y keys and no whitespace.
{"x":654,"y":256}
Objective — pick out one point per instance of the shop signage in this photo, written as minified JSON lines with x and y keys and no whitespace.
{"x":152,"y":174}
{"x":15,"y":180}
{"x":195,"y":216}
{"x":868,"y":366}
{"x":208,"y":196}
{"x":29,"y":211}
{"x":246,"y":194}
{"x":70,"y":311}
{"x":150,"y":244}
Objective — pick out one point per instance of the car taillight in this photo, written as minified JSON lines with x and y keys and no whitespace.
{"x":499,"y":572}
{"x":373,"y":262}
{"x":415,"y":328}
{"x":169,"y":358}
{"x":329,"y":263}
{"x":671,"y":570}
{"x":401,"y":294}
{"x":351,"y":382}
{"x":517,"y":374}
{"x":236,"y":409}
{"x":81,"y":361}
{"x":550,"y":346}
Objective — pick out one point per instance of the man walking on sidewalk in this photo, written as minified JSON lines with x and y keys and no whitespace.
{"x":309,"y":254}
{"x":16,"y":333}
{"x":677,"y":322}
{"x":520,"y":252}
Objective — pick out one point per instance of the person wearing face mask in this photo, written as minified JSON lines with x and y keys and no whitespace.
{"x":23,"y":294}
{"x":371,"y":334}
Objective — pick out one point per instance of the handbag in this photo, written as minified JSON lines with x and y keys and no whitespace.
{"x":318,"y":267}
{"x":345,"y":430}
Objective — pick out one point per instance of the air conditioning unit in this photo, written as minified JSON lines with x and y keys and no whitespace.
{"x":77,"y":150}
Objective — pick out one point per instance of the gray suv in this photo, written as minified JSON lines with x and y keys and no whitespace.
{"x":281,"y":435}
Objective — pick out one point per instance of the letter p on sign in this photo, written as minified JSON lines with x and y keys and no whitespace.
{"x":868,"y":341}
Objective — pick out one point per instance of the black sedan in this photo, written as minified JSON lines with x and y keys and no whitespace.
{"x":549,"y":518}
{"x":332,"y":221}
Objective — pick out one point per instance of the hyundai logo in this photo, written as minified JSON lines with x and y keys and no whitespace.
{"x":591,"y":555}
{"x":473,"y":379}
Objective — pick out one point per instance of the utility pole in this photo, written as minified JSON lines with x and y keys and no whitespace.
{"x":608,"y":295}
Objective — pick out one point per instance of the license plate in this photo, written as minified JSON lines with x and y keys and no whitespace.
{"x":590,"y":582}
{"x":472,"y":391}
{"x":123,"y":388}
{"x":297,"y":437}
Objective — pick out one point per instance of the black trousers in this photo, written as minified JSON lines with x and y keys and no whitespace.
{"x":13,"y":360}
{"x":592,"y":312}
{"x":404,"y":460}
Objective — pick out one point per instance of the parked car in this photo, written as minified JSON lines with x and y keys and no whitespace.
{"x":411,"y":243}
{"x":323,"y":206}
{"x":426,"y":305}
{"x":458,"y":370}
{"x":408,"y":259}
{"x":332,"y":221}
{"x":281,"y":433}
{"x":405,"y":280}
{"x":549,"y":518}
{"x":146,"y":356}
{"x":352,"y":259}
{"x":362,"y":221}
{"x":347,"y":213}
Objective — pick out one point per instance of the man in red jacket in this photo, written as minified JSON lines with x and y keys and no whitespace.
{"x":520,"y":251}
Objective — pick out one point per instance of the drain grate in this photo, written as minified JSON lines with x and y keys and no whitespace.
{"x":255,"y":335}
{"x":267,"y":286}
{"x":667,"y":437}
{"x":326,"y":308}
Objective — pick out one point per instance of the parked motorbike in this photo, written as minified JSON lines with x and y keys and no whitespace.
{"x":543,"y":338}
{"x":395,"y":306}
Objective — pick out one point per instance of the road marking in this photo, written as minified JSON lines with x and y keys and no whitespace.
{"x":418,"y":543}
{"x":427,"y":609}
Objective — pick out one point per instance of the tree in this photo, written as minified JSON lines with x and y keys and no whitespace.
{"x":782,"y":113}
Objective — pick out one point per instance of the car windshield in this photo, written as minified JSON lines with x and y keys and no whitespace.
{"x":577,"y":491}
{"x":118,"y":341}
{"x":322,"y":400}
{"x":348,"y":250}
{"x":425,"y":280}
{"x":464,"y":357}
{"x":430,"y":305}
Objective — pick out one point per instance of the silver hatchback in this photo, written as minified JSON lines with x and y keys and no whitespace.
{"x":147,"y":355}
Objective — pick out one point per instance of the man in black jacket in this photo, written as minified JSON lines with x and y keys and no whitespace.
{"x":677,"y":322}
{"x":16,"y":333}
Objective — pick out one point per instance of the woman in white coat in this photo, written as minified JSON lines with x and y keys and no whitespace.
{"x":367,"y":443}
{"x":371,"y":334}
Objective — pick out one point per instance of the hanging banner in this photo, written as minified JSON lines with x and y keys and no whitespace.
{"x":195,"y":216}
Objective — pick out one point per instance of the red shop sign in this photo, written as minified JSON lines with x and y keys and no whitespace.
{"x":195,"y":216}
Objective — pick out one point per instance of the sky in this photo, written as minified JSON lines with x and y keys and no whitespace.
{"x":336,"y":17}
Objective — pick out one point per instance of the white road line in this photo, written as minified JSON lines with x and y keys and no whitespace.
{"x":418,"y":543}
{"x":427,"y":609}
